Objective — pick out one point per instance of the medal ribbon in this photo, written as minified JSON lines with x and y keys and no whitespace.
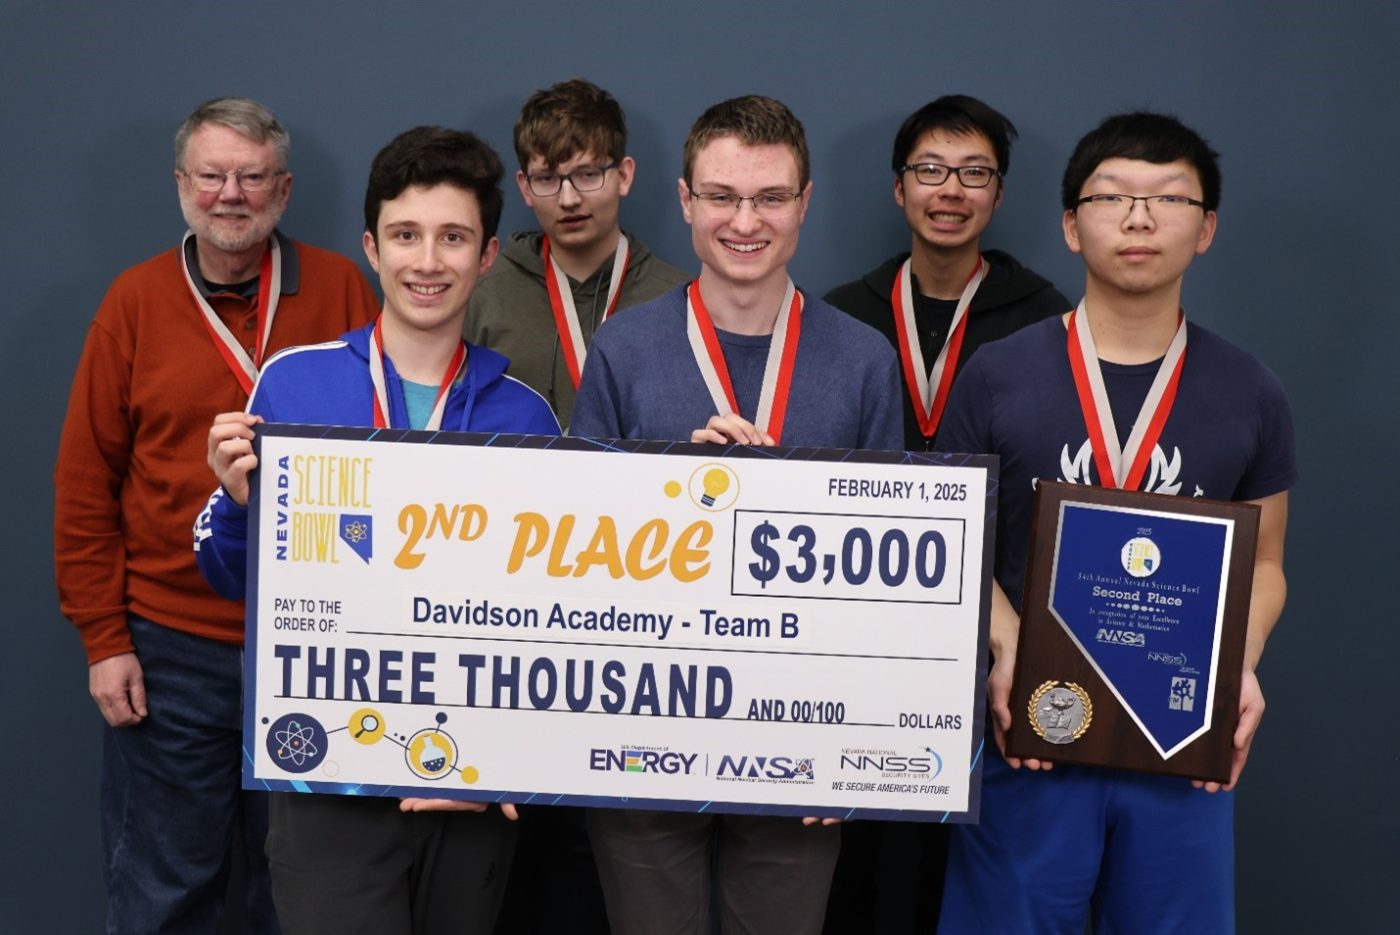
{"x":381,"y":392}
{"x":561,"y":303}
{"x":929,"y":389}
{"x":777,"y":372}
{"x":1098,"y":417}
{"x":244,"y":369}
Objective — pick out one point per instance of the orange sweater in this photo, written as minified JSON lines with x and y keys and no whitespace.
{"x":131,"y":475}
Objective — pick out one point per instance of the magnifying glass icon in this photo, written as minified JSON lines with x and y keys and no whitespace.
{"x":366,"y":726}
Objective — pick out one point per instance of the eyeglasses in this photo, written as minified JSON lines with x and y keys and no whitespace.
{"x":583,"y":179}
{"x":250,"y":180}
{"x":1122,"y":205}
{"x":931,"y":173}
{"x":770,"y":204}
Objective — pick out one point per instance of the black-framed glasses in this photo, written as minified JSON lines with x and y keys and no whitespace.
{"x":1116,"y":204}
{"x":931,"y":173}
{"x":769,"y":203}
{"x":250,"y":180}
{"x":583,"y":179}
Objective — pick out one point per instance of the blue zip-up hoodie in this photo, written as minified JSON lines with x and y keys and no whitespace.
{"x":329,"y":384}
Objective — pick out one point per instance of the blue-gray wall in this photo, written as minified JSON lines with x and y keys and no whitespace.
{"x":1299,"y":97}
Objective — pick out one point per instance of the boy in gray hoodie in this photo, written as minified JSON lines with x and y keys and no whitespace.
{"x":552,"y":287}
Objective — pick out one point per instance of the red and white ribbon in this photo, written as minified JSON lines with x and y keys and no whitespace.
{"x":382,"y":411}
{"x":244,"y":368}
{"x":1122,"y":468}
{"x":928,"y":388}
{"x":777,"y":372}
{"x":561,"y":303}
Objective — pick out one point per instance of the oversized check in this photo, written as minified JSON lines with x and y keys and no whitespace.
{"x":636,"y":624}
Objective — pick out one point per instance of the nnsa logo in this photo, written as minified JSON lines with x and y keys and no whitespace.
{"x":766,"y":768}
{"x":1120,"y":637}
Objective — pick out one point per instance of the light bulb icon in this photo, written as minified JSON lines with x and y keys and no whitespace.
{"x":716,"y":483}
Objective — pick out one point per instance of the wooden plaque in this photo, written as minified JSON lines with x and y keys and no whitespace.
{"x":1133,"y":629}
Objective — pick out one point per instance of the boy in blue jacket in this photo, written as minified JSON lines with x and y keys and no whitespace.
{"x":345,"y":863}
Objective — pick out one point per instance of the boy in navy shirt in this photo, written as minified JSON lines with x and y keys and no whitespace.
{"x":1140,"y":852}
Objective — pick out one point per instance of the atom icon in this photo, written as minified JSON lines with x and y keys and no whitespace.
{"x":296,"y":743}
{"x":356,"y":531}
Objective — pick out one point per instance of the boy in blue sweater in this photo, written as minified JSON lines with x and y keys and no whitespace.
{"x":737,"y":356}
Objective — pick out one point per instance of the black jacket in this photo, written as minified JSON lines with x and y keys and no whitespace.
{"x":1010,"y":298}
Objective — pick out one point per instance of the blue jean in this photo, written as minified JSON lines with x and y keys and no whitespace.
{"x":171,"y":802}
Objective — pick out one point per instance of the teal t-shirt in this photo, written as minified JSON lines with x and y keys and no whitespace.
{"x":418,"y":399}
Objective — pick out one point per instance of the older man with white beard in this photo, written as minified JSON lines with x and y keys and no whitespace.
{"x":176,"y":340}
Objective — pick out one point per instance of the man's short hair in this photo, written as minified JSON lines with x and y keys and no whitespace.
{"x":959,"y":115}
{"x":755,"y":121}
{"x":1156,"y":138}
{"x":427,"y":156}
{"x":570,"y":118}
{"x":242,"y":115}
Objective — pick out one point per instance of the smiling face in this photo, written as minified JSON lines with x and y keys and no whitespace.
{"x":230,"y":220}
{"x":581,"y":223}
{"x":429,"y":253}
{"x":1139,"y":250}
{"x":743,"y":247}
{"x":948,"y":216}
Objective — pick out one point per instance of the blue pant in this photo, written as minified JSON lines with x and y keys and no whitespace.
{"x":171,"y":802}
{"x":1140,"y":853}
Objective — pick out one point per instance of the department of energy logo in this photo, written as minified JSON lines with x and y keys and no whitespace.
{"x":1141,"y":558}
{"x":656,"y":760}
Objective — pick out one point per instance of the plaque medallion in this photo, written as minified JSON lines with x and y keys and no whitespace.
{"x":1060,"y":713}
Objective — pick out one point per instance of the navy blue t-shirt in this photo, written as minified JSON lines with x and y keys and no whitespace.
{"x":1229,"y":435}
